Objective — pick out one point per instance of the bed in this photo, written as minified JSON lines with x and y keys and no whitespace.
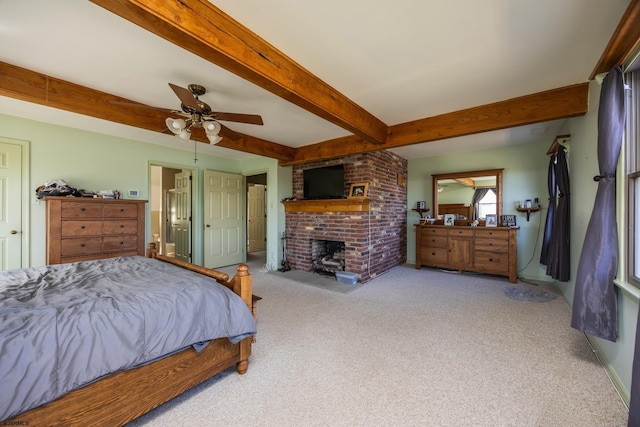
{"x":461,"y":211}
{"x":56,"y":370}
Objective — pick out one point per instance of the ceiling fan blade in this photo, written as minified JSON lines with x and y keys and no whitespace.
{"x":185,"y":96}
{"x":228,"y":133}
{"x":252,"y":119}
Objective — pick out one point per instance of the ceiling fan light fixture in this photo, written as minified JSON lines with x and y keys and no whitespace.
{"x":176,"y":125}
{"x":211,"y":129}
{"x":184,"y":135}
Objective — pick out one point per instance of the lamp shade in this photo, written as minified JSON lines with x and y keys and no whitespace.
{"x":175,"y":125}
{"x":211,"y":128}
{"x":184,"y":135}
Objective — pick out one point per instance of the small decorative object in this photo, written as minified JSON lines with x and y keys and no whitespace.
{"x":359,"y":190}
{"x":421,"y":205}
{"x":527,"y":203}
{"x":449,"y":219}
{"x":508,"y":220}
{"x":491,"y":220}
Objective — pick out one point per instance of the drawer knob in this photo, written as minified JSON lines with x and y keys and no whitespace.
{"x":433,"y":253}
{"x":491,"y":259}
{"x":82,"y":245}
{"x":121,"y":209}
{"x":82,"y":209}
{"x":122,"y":243}
{"x":82,"y":227}
{"x":121,"y":225}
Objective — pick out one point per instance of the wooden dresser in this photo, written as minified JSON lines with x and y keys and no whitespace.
{"x":491,"y":250}
{"x":80,"y":229}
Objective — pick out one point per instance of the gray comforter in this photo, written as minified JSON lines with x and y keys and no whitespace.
{"x":66,"y":325}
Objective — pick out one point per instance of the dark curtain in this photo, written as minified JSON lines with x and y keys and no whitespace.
{"x":477,"y":196}
{"x":594,"y":298}
{"x":558,"y":257}
{"x":551,"y":183}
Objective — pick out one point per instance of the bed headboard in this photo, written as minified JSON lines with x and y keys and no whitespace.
{"x":459,"y":209}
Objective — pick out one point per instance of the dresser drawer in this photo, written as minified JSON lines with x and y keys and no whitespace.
{"x":81,"y":228}
{"x":435,"y":256}
{"x":491,"y":262}
{"x":81,"y":210}
{"x":461,"y":232}
{"x":120,"y":210}
{"x":80,"y":246}
{"x":492,"y":245}
{"x":434,"y":242}
{"x":119,"y":243}
{"x":492,"y":233}
{"x":127,"y":226}
{"x":426,"y":232}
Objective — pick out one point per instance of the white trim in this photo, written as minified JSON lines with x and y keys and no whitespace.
{"x":28,"y":194}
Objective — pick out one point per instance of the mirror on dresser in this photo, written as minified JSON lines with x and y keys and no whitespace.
{"x":453,"y":193}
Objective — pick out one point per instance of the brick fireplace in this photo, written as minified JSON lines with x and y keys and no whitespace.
{"x":374,"y":230}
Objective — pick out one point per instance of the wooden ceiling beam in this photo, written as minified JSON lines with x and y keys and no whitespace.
{"x":203,"y":29}
{"x":561,"y":103}
{"x":26,"y":85}
{"x":623,"y":41}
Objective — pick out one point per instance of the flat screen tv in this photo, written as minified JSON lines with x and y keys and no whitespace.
{"x":326,"y":182}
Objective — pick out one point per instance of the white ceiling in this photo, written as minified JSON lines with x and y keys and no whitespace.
{"x":401,"y":61}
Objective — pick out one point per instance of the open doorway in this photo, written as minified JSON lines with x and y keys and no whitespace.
{"x":256,"y":217}
{"x":170,"y":201}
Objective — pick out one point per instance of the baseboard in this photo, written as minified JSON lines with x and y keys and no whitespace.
{"x":625,"y":394}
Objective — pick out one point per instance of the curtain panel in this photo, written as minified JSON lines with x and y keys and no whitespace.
{"x":551,"y":212}
{"x":594,"y":299}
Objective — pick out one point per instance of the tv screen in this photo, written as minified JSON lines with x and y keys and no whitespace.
{"x":324,"y":183}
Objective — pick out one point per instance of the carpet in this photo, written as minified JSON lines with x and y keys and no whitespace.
{"x":527,"y":294}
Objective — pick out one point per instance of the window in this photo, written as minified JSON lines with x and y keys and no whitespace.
{"x":632,"y":138}
{"x":487,"y":205}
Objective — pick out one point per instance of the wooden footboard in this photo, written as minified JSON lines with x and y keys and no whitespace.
{"x":124,"y":396}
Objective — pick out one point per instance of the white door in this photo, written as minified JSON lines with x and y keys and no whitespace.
{"x":257,"y":223}
{"x":10,"y":206}
{"x":224,"y":235}
{"x":182,"y":219}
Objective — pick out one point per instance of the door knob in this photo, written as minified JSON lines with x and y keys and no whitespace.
{"x":14,"y":232}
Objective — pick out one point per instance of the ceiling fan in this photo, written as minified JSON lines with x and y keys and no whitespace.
{"x":197,"y":114}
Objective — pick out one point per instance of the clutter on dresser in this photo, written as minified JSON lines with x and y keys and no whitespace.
{"x":56,"y":187}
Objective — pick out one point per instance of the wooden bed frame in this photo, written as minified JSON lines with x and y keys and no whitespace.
{"x":119,"y":398}
{"x":457,"y":209}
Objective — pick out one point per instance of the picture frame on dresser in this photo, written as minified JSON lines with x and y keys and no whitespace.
{"x":508,"y":221}
{"x":491,"y":220}
{"x":449,"y":219}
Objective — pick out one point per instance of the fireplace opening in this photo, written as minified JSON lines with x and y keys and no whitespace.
{"x":327,"y":256}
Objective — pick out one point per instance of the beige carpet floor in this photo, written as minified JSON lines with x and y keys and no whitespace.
{"x":409,"y":348}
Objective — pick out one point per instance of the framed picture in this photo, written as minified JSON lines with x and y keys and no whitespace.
{"x":421,"y":205}
{"x":449,"y":219}
{"x":508,"y":220}
{"x":491,"y":220}
{"x":359,"y":190}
